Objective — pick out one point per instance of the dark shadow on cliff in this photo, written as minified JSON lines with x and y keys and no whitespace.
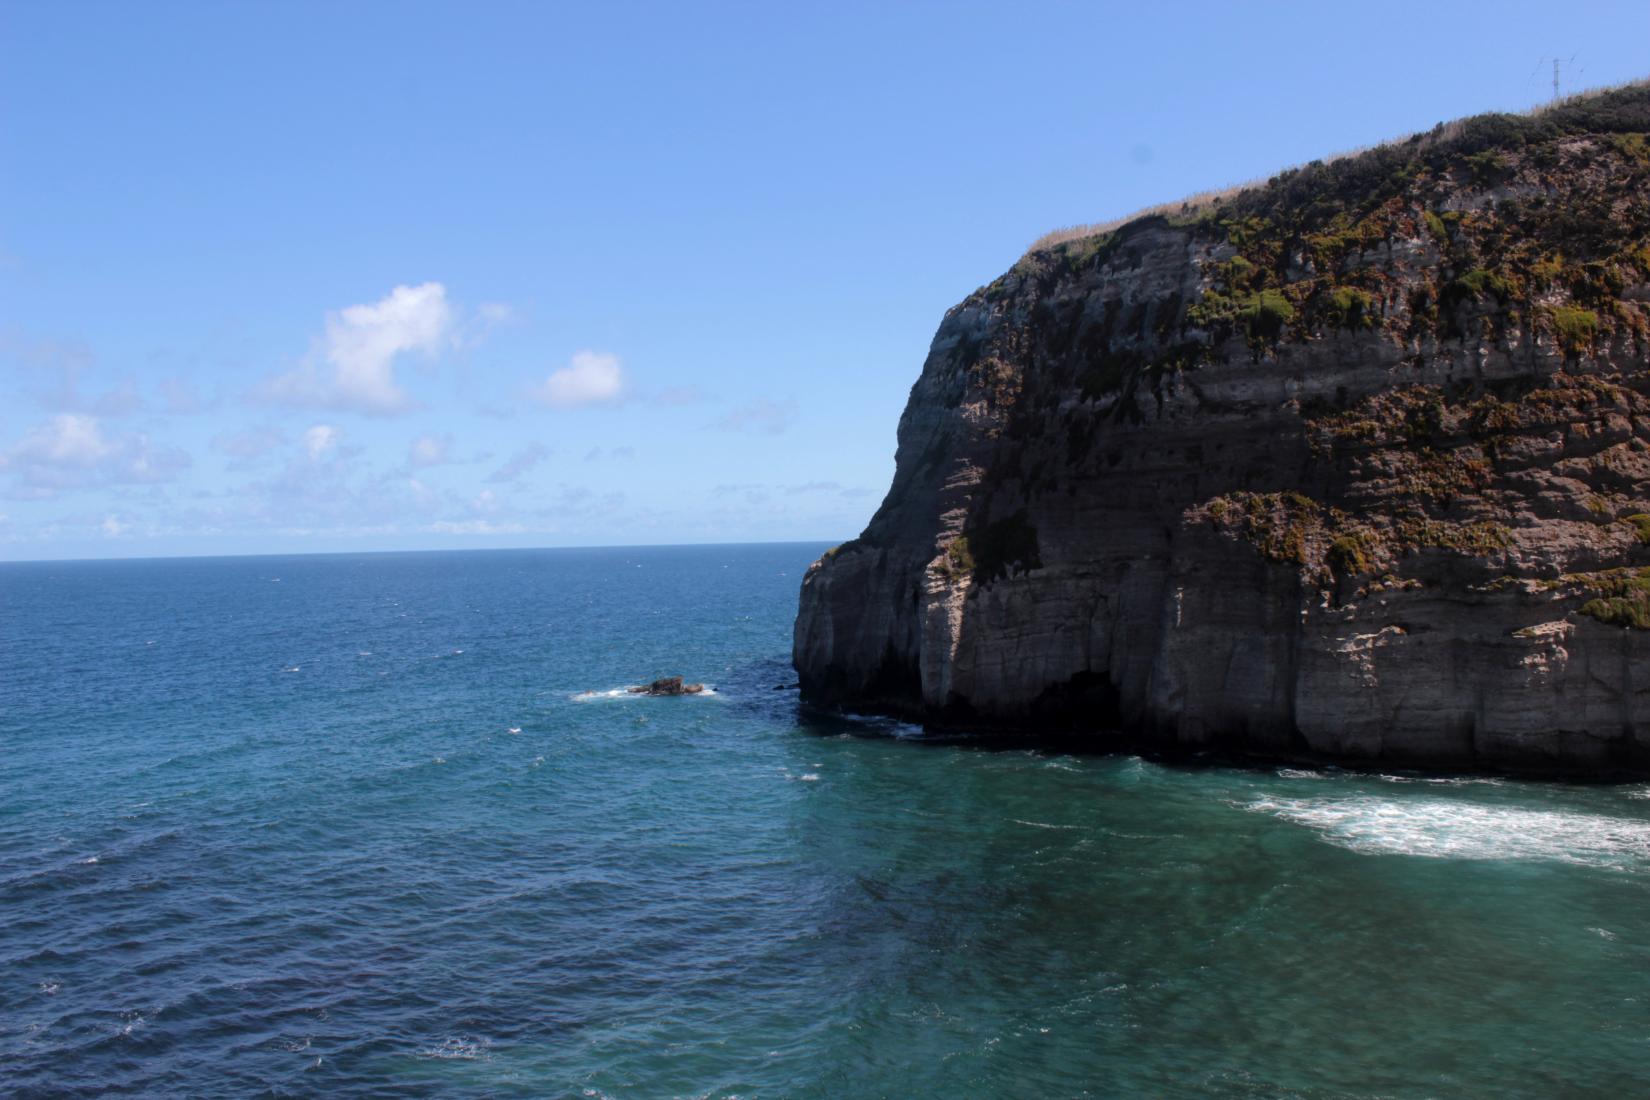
{"x":768,"y":689}
{"x":1103,"y":742}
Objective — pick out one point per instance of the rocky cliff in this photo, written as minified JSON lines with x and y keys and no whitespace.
{"x":1352,"y":465}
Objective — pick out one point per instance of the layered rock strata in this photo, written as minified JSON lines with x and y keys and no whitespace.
{"x":1354,"y":465}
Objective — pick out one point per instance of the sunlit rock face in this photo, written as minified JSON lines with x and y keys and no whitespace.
{"x":1353,"y":465}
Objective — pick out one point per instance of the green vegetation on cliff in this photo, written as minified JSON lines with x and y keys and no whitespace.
{"x":1512,"y":258}
{"x":1520,"y":238}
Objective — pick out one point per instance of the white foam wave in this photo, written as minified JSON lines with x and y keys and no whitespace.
{"x":1442,"y":829}
{"x":1299,"y":773}
{"x":597,"y":696}
{"x":1445,"y":780}
{"x":290,"y":668}
{"x":463,"y":1049}
{"x":1042,"y":824}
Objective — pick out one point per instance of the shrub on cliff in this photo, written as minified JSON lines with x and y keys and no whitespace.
{"x":1575,"y":327}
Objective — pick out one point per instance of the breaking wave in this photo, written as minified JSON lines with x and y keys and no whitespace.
{"x":1443,"y":829}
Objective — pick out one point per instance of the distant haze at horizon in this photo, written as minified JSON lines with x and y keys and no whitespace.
{"x":367,"y":551}
{"x":312,"y":279}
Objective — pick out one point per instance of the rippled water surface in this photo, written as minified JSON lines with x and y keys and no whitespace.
{"x":345,"y":826}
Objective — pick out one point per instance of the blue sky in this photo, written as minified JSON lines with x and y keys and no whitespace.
{"x":287,"y":277}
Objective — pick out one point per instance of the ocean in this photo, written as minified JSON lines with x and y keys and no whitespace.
{"x":348,"y":825}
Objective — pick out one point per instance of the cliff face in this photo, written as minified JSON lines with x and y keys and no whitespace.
{"x":1353,"y":465}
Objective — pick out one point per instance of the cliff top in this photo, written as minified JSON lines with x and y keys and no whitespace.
{"x":1542,"y":217}
{"x":1371,"y":173}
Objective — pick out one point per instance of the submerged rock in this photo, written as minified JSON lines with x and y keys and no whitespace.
{"x":1353,"y":465}
{"x":670,"y":685}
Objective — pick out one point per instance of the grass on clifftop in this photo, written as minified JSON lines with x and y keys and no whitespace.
{"x":1619,"y":111}
{"x":1530,"y":228}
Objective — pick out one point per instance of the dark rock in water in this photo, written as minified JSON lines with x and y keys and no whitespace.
{"x":1352,"y":465}
{"x":670,"y":685}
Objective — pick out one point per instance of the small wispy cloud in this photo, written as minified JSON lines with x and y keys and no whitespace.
{"x":761,"y":415}
{"x":320,"y":439}
{"x":481,"y":322}
{"x":424,"y":498}
{"x":429,"y":450}
{"x":474,"y":527}
{"x":519,"y":463}
{"x":752,"y":492}
{"x":248,"y":443}
{"x":179,"y":397}
{"x":678,"y":395}
{"x":61,"y":366}
{"x":591,"y":378}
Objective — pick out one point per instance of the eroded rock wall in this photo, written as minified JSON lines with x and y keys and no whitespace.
{"x":1356,"y":468}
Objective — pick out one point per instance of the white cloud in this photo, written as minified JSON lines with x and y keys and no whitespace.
{"x":429,"y":450}
{"x":71,"y":451}
{"x":112,"y":527}
{"x":361,"y":346}
{"x":68,"y":439}
{"x":591,"y":378}
{"x":320,"y":439}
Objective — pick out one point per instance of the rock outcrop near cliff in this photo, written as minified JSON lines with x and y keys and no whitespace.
{"x":1353,"y":465}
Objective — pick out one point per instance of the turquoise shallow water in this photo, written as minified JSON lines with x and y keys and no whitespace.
{"x":343,"y":826}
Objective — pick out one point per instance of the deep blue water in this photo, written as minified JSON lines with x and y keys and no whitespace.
{"x":344,"y":826}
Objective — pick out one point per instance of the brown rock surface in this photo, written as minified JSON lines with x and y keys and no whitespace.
{"x":1355,"y":465}
{"x":669,"y":685}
